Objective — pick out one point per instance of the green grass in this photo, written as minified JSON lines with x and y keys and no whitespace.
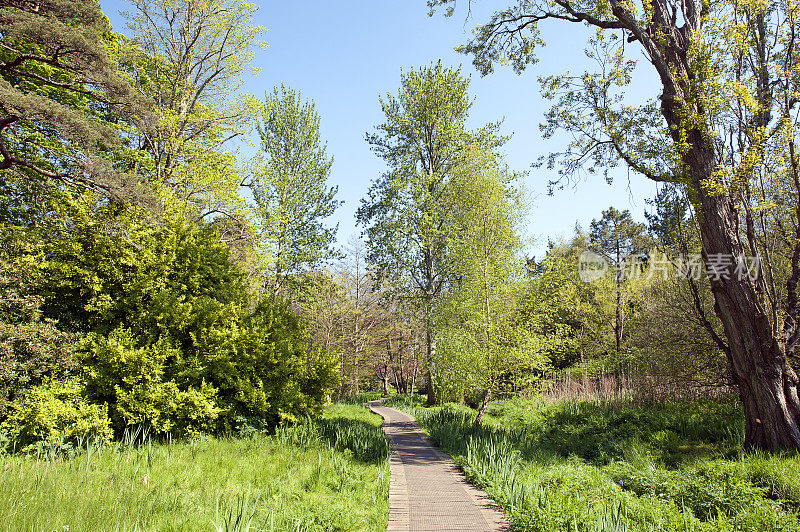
{"x":360,"y":399}
{"x":590,"y":467}
{"x":324,"y":474}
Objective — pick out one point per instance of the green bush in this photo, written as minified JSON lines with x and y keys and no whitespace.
{"x":131,"y":381}
{"x":182,"y":348}
{"x":56,"y":413}
{"x":32,"y":348}
{"x":174,"y":339}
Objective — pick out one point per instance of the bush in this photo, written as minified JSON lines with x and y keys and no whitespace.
{"x":187,"y":351}
{"x":131,"y":381}
{"x":56,"y":413}
{"x":32,"y":348}
{"x":175,"y":341}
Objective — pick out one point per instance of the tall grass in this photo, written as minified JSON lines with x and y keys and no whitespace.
{"x":359,"y":399}
{"x":304,"y":478}
{"x":360,"y":436}
{"x":593,"y":466}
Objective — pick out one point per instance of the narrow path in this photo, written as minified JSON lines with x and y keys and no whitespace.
{"x":426,"y":490}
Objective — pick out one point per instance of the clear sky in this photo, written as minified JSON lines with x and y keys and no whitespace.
{"x":343,"y":54}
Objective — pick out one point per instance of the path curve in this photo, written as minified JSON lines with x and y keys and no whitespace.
{"x":427,"y":492}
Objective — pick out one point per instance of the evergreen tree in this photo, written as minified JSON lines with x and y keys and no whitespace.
{"x":59,"y":85}
{"x":623,"y":243}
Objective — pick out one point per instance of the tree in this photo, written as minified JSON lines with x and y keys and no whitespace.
{"x":405,"y":220}
{"x":560,"y":312}
{"x":669,"y":342}
{"x":728,"y":77}
{"x":677,"y":238}
{"x":187,"y":59}
{"x":292,"y":198}
{"x":59,"y":84}
{"x":368,"y":319}
{"x":623,"y":243}
{"x":346,"y":314}
{"x":485,"y":210}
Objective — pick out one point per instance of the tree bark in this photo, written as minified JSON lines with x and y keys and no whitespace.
{"x":431,"y":355}
{"x":385,"y":380}
{"x":618,"y":322}
{"x":767,"y":384}
{"x":487,"y":396}
{"x":416,"y":365}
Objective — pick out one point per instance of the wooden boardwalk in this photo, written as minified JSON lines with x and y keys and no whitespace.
{"x":427,"y":492}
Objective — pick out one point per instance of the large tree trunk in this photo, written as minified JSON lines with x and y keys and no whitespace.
{"x":767,"y":384}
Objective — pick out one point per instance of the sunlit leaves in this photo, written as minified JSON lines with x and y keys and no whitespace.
{"x":423,"y":142}
{"x":188,"y":58}
{"x":289,"y":186}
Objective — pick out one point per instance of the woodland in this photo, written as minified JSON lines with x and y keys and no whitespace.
{"x":164,"y":297}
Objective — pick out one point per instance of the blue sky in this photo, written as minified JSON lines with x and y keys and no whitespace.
{"x":344,"y":54}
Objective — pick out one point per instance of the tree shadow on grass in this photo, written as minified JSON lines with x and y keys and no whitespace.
{"x":671,"y":433}
{"x":599,"y":433}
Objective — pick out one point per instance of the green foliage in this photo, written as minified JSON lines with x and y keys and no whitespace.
{"x":168,"y":334}
{"x":32,"y":348}
{"x":422,"y":142}
{"x":407,"y":214}
{"x":292,"y":199}
{"x":188,"y":59}
{"x":58,"y":80}
{"x":624,"y":244}
{"x":359,"y":399}
{"x":587,"y":466}
{"x":478,"y":342}
{"x":206,"y":353}
{"x":561,"y":314}
{"x":618,"y":238}
{"x":342,"y":428}
{"x":177,"y":340}
{"x":56,"y":414}
{"x":272,"y":483}
{"x":709,"y":126}
{"x":132,"y":381}
{"x":404,"y":402}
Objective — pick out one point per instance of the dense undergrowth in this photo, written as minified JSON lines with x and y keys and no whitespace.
{"x":328,"y":473}
{"x":590,"y":466}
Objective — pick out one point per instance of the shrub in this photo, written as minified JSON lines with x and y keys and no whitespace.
{"x":188,"y":351}
{"x":56,"y":412}
{"x":131,"y":381}
{"x":175,"y":340}
{"x":32,"y":348}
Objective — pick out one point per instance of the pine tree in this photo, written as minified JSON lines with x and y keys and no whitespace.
{"x":58,"y":88}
